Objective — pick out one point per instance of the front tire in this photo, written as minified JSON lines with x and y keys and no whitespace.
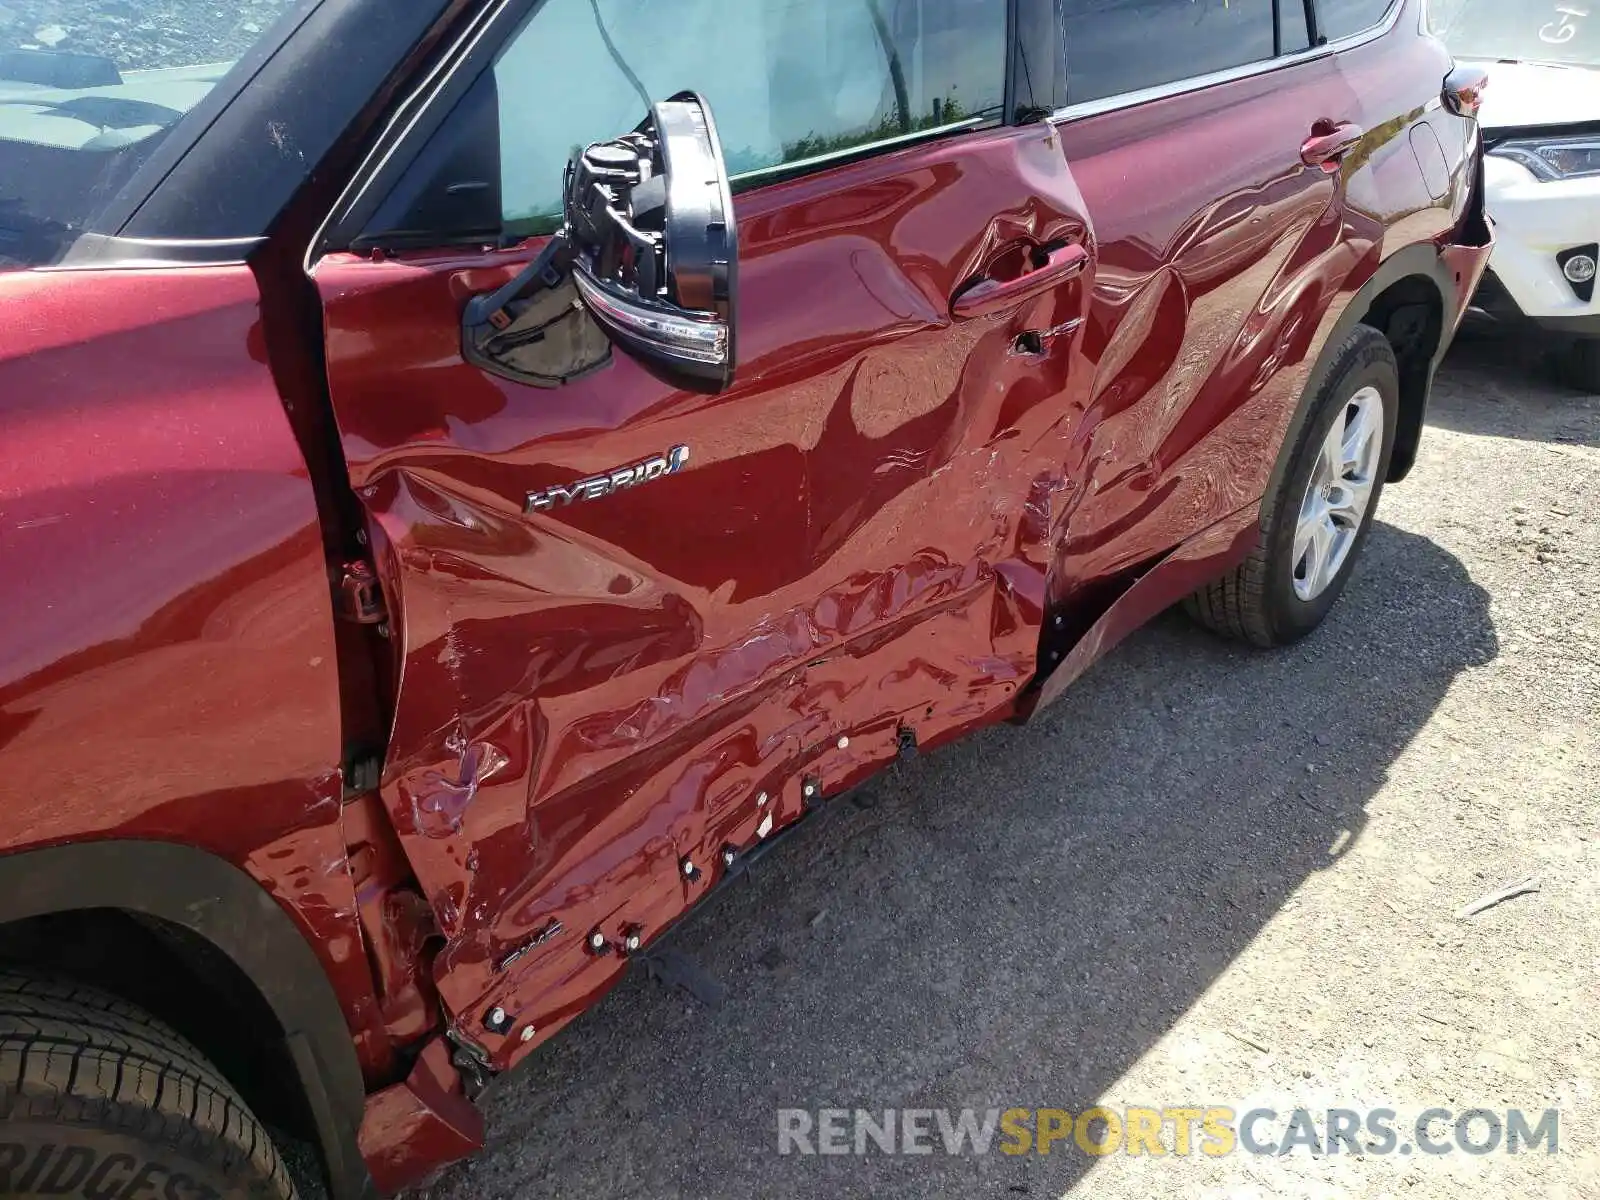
{"x":1582,"y":365}
{"x":1314,"y":524}
{"x":98,"y":1098}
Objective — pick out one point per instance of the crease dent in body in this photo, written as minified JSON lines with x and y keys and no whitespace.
{"x":439,"y":797}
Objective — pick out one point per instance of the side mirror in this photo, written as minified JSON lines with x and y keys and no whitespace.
{"x":650,"y":217}
{"x":648,"y":257}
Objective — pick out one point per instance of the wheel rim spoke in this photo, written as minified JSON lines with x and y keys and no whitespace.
{"x":1338,"y":494}
{"x":1333,"y":448}
{"x":1347,"y":504}
{"x":1304,"y":543}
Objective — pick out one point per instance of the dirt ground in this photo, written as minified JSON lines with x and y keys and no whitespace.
{"x":1208,"y":876}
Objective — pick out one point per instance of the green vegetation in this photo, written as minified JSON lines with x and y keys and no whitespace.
{"x":890,"y":126}
{"x":744,"y":160}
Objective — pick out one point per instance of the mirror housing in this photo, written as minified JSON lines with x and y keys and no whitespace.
{"x":649,"y":219}
{"x":648,"y":259}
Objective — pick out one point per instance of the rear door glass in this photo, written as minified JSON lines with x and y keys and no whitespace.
{"x":1120,"y":46}
{"x":1343,"y":18}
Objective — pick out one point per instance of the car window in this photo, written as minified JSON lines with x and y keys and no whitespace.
{"x":1542,"y":31}
{"x":1118,"y":46}
{"x":88,"y":90}
{"x":1341,"y":18}
{"x":1294,"y":36}
{"x":788,"y":80}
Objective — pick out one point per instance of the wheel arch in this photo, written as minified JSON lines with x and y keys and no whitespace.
{"x":1406,"y":300}
{"x":238,"y":938}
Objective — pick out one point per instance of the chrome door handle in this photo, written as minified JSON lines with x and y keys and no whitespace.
{"x":1329,"y":143}
{"x":1053,"y":267}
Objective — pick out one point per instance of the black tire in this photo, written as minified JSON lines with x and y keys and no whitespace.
{"x":1581,"y":365}
{"x":1257,"y":602}
{"x":99,"y":1099}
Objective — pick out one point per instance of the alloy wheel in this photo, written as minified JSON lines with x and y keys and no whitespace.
{"x":1338,"y":494}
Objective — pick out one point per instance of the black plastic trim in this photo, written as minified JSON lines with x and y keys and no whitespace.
{"x":198,"y":121}
{"x":1421,"y":260}
{"x":418,"y":118}
{"x":100,"y":250}
{"x":232,"y":912}
{"x":1314,"y":34}
{"x":1036,"y":72}
{"x":452,"y":184}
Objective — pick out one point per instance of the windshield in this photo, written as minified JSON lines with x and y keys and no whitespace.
{"x":1543,"y":31}
{"x":88,"y":90}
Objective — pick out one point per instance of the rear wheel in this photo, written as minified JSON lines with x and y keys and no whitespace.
{"x":99,"y":1099}
{"x":1315,"y":522}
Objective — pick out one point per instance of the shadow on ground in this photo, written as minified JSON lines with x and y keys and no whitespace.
{"x":1011,"y":921}
{"x":1508,"y":382}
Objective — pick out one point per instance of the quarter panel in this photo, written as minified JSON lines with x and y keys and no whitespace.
{"x":1397,"y":82}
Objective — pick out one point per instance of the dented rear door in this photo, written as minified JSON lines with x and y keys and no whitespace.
{"x":600,"y":698}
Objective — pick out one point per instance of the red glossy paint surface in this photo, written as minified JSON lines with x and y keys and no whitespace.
{"x":1217,"y":287}
{"x":1207,"y":293}
{"x":590,"y":696}
{"x":880,"y":525}
{"x":166,"y":659}
{"x":412,"y":1128}
{"x":874,"y":520}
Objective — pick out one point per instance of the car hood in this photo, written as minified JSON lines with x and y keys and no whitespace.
{"x":101,"y":118}
{"x":1534,"y":94}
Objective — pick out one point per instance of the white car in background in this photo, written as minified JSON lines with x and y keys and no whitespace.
{"x":1541,"y":127}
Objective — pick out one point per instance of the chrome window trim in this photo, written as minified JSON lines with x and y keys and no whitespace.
{"x":101,"y":251}
{"x":1195,"y":83}
{"x":898,"y":141}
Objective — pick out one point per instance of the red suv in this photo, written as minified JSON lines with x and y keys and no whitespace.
{"x":476,"y":473}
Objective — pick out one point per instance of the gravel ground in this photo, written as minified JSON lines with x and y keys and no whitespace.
{"x":1208,"y":876}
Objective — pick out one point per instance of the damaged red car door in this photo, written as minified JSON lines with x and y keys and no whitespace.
{"x":638,"y":627}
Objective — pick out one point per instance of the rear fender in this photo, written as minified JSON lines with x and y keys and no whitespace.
{"x":1454,"y":267}
{"x":1454,"y":270}
{"x":1423,"y":261}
